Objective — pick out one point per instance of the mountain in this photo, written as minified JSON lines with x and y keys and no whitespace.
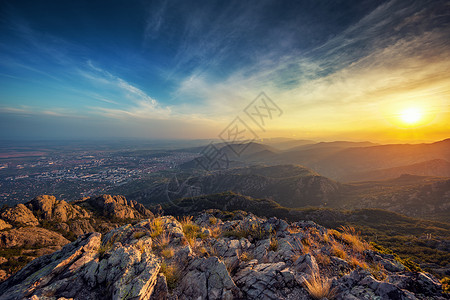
{"x":435,"y":167}
{"x":342,"y":160}
{"x":284,"y":144}
{"x":291,"y":186}
{"x":333,"y":145}
{"x":208,"y":257}
{"x":412,"y":195}
{"x":361,"y":159}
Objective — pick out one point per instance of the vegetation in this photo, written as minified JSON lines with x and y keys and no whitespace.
{"x":254,"y":230}
{"x":156,"y":227}
{"x":172,"y":274}
{"x":319,"y":287}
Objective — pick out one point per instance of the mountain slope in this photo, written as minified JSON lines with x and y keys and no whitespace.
{"x":291,"y":186}
{"x":435,"y":167}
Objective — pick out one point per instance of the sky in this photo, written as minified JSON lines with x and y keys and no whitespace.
{"x":334,"y":70}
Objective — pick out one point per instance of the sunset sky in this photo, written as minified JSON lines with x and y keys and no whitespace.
{"x":338,"y":70}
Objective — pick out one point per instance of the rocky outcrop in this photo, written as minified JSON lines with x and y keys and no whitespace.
{"x":4,"y":225}
{"x":19,"y":215}
{"x":116,"y":207}
{"x":51,"y":224}
{"x":30,"y":237}
{"x":50,"y":209}
{"x":243,"y":258}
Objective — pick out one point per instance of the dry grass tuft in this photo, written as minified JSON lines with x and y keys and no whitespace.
{"x":322,"y":259}
{"x":319,"y":287}
{"x":167,"y":253}
{"x":162,"y":241}
{"x":338,"y":250}
{"x":172,"y":273}
{"x":156,"y":227}
{"x":354,"y":262}
{"x":352,"y":238}
{"x":273,"y":246}
{"x":246,"y":256}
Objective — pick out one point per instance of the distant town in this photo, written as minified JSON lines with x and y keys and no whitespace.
{"x":72,"y":175}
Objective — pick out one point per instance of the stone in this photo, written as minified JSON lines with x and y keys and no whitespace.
{"x":19,"y":215}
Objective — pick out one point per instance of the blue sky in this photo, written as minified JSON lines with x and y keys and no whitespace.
{"x":185,"y":69}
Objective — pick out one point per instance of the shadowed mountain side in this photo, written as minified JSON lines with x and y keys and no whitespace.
{"x":292,"y":186}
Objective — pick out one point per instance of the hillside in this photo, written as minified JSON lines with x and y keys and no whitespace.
{"x":415,"y":196}
{"x":291,"y":186}
{"x":208,"y":257}
{"x":435,"y":167}
{"x":343,"y":161}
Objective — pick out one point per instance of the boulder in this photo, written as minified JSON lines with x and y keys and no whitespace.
{"x":19,"y":215}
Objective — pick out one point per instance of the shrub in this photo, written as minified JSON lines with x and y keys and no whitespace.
{"x":445,"y":284}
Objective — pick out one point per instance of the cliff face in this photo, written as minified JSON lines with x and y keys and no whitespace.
{"x":244,"y":257}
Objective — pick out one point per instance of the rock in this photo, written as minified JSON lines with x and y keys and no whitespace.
{"x":19,"y":215}
{"x":30,"y":237}
{"x":266,"y":281}
{"x":4,"y":225}
{"x":116,"y":207}
{"x":161,"y":290}
{"x":207,"y":278}
{"x":306,"y":264}
{"x":138,"y":261}
{"x":125,"y":273}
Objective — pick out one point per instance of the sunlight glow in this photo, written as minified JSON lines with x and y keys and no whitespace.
{"x":411,"y":115}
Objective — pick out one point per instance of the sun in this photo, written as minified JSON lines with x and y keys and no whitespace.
{"x":411,"y":115}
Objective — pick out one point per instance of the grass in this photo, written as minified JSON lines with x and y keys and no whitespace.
{"x":273,"y":246}
{"x":255,"y":230}
{"x":167,"y":253}
{"x":162,"y":241}
{"x":156,"y":227}
{"x":172,"y":274}
{"x":338,"y":250}
{"x":377,"y":270}
{"x":246,"y":256}
{"x":354,"y":262}
{"x":322,"y":259}
{"x":105,"y":247}
{"x":352,"y":238}
{"x":298,"y":249}
{"x":319,"y":287}
{"x":138,"y":234}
